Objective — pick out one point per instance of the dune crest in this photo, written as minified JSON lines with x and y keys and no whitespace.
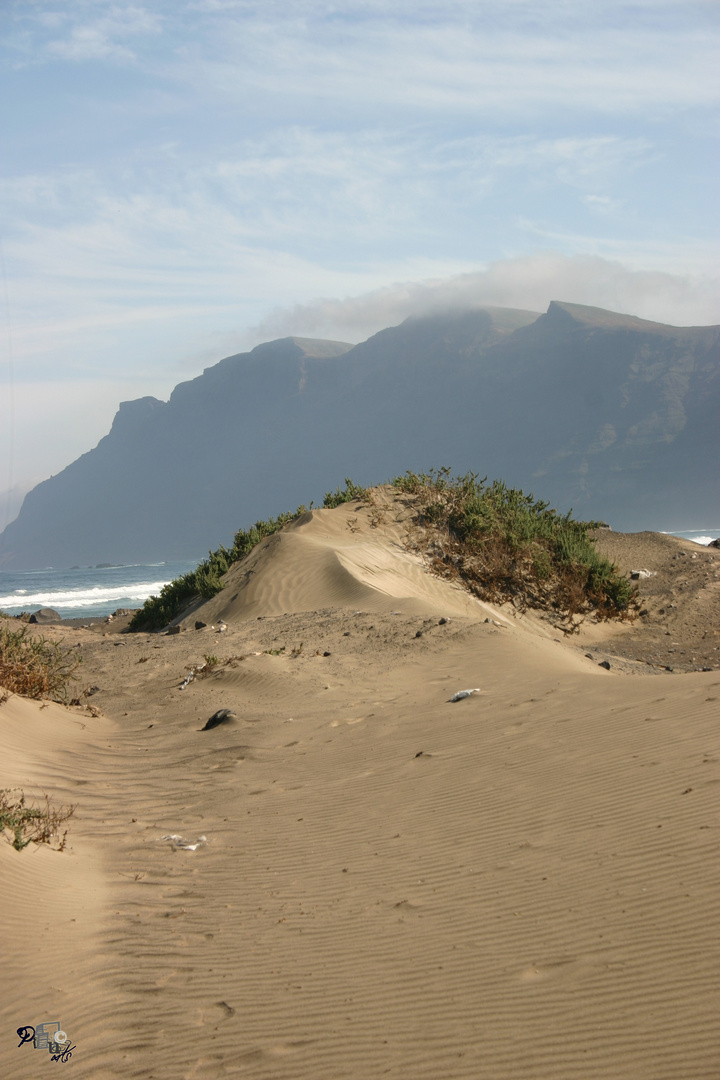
{"x":351,"y":556}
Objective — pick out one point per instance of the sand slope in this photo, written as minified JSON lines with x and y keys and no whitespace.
{"x":352,"y":556}
{"x":520,"y":884}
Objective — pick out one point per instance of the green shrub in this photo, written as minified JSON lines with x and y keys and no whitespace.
{"x":506,"y":545}
{"x":344,"y":495}
{"x":206,"y":580}
{"x":502,"y":543}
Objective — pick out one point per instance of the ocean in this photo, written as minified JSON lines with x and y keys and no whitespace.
{"x":705,"y":537}
{"x":85,"y":592}
{"x":98,"y":591}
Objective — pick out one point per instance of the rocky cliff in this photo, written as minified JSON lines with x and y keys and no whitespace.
{"x":609,"y":415}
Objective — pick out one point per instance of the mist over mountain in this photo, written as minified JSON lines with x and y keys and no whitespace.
{"x":610,"y":415}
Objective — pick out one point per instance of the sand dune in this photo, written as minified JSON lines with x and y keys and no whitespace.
{"x":352,"y":556}
{"x":523,"y":883}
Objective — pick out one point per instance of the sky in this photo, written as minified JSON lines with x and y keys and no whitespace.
{"x":181,"y":180}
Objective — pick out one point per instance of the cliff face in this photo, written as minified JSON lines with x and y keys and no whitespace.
{"x":610,"y":415}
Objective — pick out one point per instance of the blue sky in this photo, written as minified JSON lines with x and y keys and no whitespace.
{"x":182,"y":180}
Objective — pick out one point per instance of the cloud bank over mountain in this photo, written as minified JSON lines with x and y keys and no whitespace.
{"x":529,"y":283}
{"x":609,"y":415}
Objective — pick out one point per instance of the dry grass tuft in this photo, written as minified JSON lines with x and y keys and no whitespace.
{"x":34,"y":667}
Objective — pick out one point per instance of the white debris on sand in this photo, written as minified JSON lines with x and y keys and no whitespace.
{"x":464,"y":693}
{"x":178,"y":842}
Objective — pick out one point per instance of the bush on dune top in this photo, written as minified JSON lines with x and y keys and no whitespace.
{"x":501,"y":543}
{"x":506,"y":545}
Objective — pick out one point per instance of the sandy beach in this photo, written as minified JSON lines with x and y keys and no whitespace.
{"x":356,"y":877}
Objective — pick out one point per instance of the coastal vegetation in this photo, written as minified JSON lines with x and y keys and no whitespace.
{"x":506,"y":545}
{"x":499,"y":542}
{"x":35,"y":667}
{"x":26,"y":824}
{"x":205,"y":581}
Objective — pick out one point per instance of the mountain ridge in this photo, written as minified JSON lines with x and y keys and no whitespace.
{"x":612,"y":416}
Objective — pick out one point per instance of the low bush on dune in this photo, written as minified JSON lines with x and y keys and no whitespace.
{"x":506,"y":545}
{"x":344,"y":495}
{"x":27,"y":824}
{"x":501,"y":543}
{"x":205,"y":581}
{"x":34,"y":667}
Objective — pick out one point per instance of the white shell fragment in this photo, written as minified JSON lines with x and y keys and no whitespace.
{"x":464,"y":693}
{"x":177,"y":841}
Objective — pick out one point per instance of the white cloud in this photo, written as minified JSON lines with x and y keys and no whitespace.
{"x":528,"y":283}
{"x":89,"y":30}
{"x":510,"y":57}
{"x":600,"y":204}
{"x":464,"y":62}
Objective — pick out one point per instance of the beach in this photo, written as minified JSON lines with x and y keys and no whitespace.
{"x":355,"y":876}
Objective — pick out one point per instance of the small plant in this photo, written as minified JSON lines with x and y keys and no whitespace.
{"x":211,"y":661}
{"x":32,"y":824}
{"x":34,"y":667}
{"x":347,"y":494}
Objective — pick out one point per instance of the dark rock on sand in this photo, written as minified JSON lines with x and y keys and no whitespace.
{"x":45,"y":615}
{"x":222,"y":716}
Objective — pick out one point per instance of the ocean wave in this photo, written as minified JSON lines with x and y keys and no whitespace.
{"x":128,"y":595}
